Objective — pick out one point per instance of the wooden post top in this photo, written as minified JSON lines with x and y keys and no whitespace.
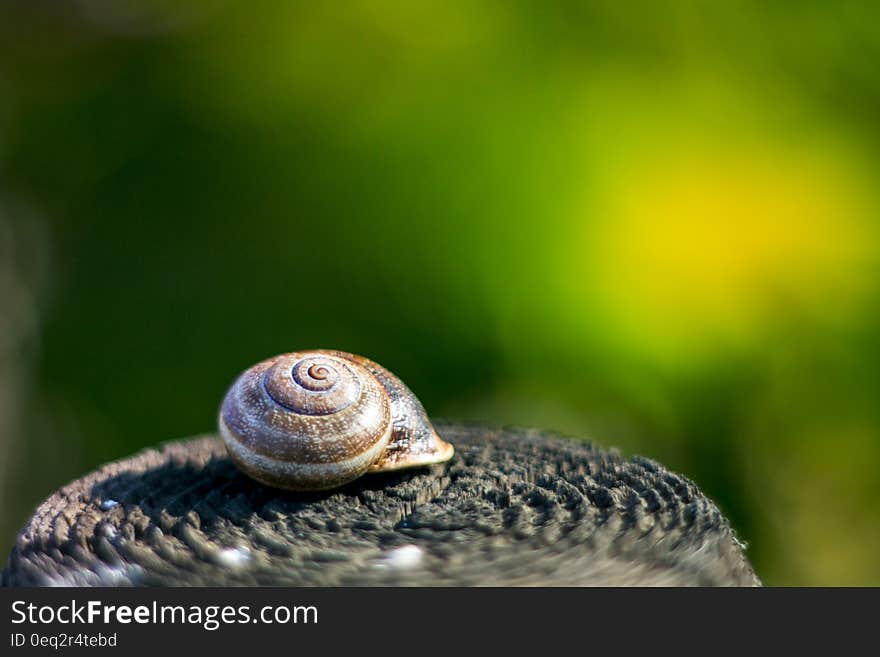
{"x":512,"y":508}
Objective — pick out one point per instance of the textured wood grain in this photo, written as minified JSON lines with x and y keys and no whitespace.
{"x":512,"y":508}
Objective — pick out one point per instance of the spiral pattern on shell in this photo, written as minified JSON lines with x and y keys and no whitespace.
{"x":306,"y":420}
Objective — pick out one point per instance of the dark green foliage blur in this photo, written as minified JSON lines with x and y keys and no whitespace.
{"x":652,"y":225}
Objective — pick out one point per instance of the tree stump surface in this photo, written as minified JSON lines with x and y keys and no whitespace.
{"x":513,"y":507}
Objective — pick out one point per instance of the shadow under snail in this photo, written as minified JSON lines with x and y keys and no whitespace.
{"x":313,"y":420}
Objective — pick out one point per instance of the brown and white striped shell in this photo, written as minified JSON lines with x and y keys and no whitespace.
{"x":313,"y":420}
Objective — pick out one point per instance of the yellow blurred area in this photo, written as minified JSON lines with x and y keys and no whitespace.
{"x":708,"y":249}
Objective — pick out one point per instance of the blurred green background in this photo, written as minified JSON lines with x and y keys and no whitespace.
{"x":651,"y":224}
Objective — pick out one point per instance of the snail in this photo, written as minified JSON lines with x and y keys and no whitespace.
{"x":314,"y":420}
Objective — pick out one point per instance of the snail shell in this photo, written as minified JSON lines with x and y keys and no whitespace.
{"x":313,"y":420}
